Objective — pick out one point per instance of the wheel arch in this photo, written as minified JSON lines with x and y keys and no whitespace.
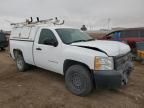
{"x":17,"y":50}
{"x":69,"y":62}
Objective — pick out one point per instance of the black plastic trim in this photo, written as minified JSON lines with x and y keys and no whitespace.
{"x":22,"y":40}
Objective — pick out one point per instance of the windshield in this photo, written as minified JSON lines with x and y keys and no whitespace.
{"x":69,"y":36}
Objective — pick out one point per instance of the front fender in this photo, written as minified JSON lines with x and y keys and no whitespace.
{"x":83,"y":55}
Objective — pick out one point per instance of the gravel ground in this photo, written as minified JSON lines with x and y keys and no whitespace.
{"x":38,"y":88}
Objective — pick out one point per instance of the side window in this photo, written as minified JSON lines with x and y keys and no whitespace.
{"x":117,"y":36}
{"x":142,"y":33}
{"x":124,"y":34}
{"x":46,"y":34}
{"x":25,"y":32}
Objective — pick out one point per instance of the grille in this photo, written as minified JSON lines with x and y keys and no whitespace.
{"x":120,"y":61}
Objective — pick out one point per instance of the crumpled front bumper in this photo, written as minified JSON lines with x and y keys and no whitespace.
{"x":112,"y":78}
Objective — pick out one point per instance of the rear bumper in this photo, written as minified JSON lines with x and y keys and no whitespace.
{"x":112,"y":78}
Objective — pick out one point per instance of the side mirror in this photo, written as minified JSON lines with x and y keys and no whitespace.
{"x":51,"y":42}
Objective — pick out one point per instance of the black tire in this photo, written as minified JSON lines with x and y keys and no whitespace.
{"x":78,"y":80}
{"x":21,"y":64}
{"x":2,"y":49}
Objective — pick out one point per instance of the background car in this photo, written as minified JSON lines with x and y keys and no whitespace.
{"x":140,"y":51}
{"x":129,"y":36}
{"x":3,"y":41}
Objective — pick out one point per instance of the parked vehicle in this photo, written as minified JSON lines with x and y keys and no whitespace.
{"x":140,"y":51}
{"x":3,"y":41}
{"x":84,"y":62}
{"x":129,"y":36}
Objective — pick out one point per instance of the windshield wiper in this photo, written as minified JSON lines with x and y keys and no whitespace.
{"x":78,"y":41}
{"x":82,"y":40}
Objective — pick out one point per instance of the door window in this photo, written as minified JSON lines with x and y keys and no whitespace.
{"x":142,"y":33}
{"x":46,"y":34}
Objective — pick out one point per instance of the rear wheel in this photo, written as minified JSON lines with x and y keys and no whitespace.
{"x":21,"y":64}
{"x":78,"y":80}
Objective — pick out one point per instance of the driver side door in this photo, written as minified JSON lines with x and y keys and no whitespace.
{"x":46,"y":50}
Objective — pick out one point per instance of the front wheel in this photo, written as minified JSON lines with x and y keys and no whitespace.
{"x":78,"y":80}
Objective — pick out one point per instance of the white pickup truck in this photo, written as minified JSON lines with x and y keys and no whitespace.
{"x":85,"y":62}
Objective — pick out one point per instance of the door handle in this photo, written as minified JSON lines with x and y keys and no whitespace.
{"x":38,"y":49}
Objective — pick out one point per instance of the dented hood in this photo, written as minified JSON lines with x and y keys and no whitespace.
{"x":111,"y":48}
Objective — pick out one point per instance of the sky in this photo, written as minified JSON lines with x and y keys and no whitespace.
{"x":96,"y":14}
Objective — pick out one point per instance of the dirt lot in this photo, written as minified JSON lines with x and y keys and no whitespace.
{"x":39,"y":88}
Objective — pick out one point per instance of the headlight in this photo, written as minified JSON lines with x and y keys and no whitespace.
{"x":104,"y":63}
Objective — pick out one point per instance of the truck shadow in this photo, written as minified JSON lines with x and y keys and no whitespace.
{"x":59,"y":79}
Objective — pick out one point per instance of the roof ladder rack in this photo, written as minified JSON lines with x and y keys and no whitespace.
{"x":54,"y":21}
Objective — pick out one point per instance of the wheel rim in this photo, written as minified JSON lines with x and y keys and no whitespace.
{"x":76,"y":81}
